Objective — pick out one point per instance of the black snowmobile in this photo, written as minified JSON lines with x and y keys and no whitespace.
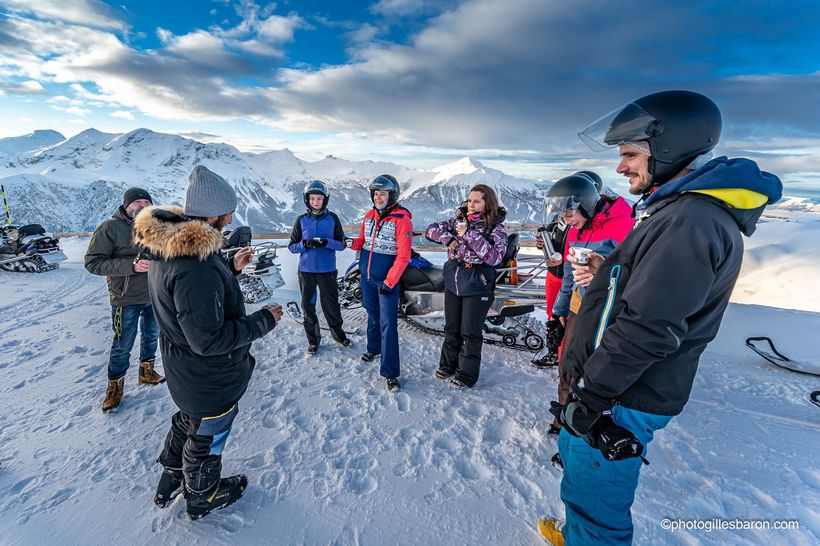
{"x":519,"y":291}
{"x":261,"y":275}
{"x":29,"y":249}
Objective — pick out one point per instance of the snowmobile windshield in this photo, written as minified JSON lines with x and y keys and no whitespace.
{"x":628,"y":123}
{"x":555,"y":208}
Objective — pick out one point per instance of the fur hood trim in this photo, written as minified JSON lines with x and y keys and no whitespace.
{"x":167,"y":232}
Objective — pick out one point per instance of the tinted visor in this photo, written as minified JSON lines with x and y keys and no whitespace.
{"x":556,"y":207}
{"x":625,"y":124}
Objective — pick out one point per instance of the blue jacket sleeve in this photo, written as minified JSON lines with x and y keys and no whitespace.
{"x":337,"y":243}
{"x":561,"y":306}
{"x":296,"y":246}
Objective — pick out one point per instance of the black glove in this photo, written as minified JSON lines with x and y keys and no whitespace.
{"x":386,"y":290}
{"x":309,"y":243}
{"x":615,"y":442}
{"x":577,"y":418}
{"x":318,"y":242}
{"x":555,"y":334}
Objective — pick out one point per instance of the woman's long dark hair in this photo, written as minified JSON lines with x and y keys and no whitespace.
{"x":493,"y":211}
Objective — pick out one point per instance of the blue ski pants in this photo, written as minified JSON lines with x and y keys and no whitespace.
{"x":382,"y":326}
{"x":597,"y":493}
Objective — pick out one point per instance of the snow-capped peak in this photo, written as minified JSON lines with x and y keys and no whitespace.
{"x":465,"y":165}
{"x":28,"y":143}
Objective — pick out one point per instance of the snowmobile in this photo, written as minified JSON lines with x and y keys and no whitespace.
{"x":29,"y":249}
{"x":261,"y":275}
{"x":519,"y":291}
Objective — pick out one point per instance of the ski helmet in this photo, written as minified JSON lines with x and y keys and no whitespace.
{"x":574,"y":192}
{"x":388,"y":183}
{"x":599,"y":184}
{"x":316,"y":187}
{"x":679,"y":126}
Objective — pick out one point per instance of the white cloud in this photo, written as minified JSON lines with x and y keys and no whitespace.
{"x":279,"y":29}
{"x":28,"y":87}
{"x":363,"y":34}
{"x":72,"y":110}
{"x":123,"y":114}
{"x":82,"y":12}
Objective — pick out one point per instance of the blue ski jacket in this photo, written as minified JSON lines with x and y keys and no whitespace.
{"x":325,"y":226}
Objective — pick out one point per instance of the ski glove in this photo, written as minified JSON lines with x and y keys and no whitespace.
{"x":386,"y":290}
{"x":555,"y":334}
{"x":316,"y":242}
{"x":577,"y":418}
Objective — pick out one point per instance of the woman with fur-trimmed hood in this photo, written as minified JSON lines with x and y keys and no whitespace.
{"x":205,"y":338}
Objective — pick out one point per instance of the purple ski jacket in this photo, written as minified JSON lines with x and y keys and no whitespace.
{"x":470,"y":269}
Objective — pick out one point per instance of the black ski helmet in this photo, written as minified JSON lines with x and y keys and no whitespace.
{"x":388,"y":183}
{"x":574,"y":192}
{"x":599,"y":184}
{"x":316,"y":187}
{"x":679,"y":126}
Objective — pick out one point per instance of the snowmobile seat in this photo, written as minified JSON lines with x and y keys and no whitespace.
{"x":28,"y":230}
{"x":239,"y":237}
{"x":513,"y":246}
{"x":423,"y":279}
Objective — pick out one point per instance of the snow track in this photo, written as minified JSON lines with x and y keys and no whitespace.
{"x":333,"y":458}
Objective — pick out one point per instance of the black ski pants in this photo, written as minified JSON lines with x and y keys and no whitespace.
{"x":195,"y":446}
{"x":325,"y":284}
{"x":464,"y":318}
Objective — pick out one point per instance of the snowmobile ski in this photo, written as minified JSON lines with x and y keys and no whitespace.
{"x":295,"y":313}
{"x":778,"y":359}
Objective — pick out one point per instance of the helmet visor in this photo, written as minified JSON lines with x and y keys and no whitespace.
{"x":628,"y":123}
{"x":557,"y":208}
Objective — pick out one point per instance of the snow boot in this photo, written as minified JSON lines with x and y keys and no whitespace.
{"x":312,"y":349}
{"x":550,"y":530}
{"x":441,"y":373}
{"x":113,"y":394}
{"x":169,"y":487}
{"x":369,"y":357}
{"x":557,"y":462}
{"x":554,"y":429}
{"x":147,"y":375}
{"x":393,"y":385}
{"x":458,"y":384}
{"x":346,"y":343}
{"x":549,"y":360}
{"x":225,"y":493}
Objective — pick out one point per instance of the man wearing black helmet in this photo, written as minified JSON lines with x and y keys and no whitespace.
{"x":652,"y":305}
{"x":385,"y":241}
{"x":317,"y":236}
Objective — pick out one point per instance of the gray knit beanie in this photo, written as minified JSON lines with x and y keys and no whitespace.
{"x":208,"y":194}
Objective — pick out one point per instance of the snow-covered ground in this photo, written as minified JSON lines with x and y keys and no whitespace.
{"x":334,"y":459}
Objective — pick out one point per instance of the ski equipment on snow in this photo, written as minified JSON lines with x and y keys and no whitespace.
{"x":778,"y":359}
{"x":295,"y":313}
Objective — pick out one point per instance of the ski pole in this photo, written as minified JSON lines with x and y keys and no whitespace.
{"x":6,"y":204}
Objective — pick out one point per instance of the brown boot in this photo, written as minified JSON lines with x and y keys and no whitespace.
{"x":113,"y":394}
{"x":147,"y":375}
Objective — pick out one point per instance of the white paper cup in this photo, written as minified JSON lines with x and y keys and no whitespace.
{"x":582,"y":255}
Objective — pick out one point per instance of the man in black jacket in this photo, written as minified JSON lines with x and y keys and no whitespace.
{"x":653,"y":305}
{"x":112,"y":254}
{"x":205,"y":338}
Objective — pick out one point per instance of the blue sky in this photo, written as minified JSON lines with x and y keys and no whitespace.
{"x":419,"y":82}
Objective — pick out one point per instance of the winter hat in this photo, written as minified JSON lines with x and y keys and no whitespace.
{"x":135,"y":194}
{"x":641,"y":146}
{"x":208,"y":194}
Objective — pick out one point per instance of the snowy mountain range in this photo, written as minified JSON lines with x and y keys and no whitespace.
{"x":73,"y":184}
